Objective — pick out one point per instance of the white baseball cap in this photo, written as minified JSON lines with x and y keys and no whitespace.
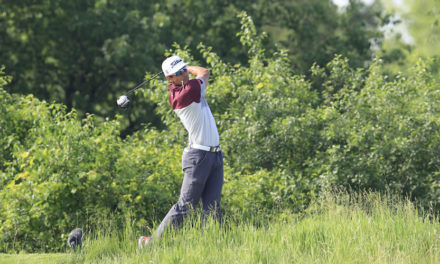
{"x":172,"y":64}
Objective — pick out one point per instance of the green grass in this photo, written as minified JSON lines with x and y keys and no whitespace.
{"x":366,"y":228}
{"x":33,"y":258}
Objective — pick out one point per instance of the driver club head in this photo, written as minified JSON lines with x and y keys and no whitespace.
{"x":123,"y":101}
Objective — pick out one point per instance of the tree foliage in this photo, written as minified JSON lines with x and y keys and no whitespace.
{"x":84,"y":54}
{"x":419,"y":35}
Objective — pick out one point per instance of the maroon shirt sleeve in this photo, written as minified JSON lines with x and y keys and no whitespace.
{"x":181,"y":98}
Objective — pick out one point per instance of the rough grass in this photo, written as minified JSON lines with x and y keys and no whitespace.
{"x":342,"y":228}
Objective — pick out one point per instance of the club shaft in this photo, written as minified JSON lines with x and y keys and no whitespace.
{"x":142,"y":83}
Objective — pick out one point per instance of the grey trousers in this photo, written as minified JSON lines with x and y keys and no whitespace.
{"x":203,"y":179}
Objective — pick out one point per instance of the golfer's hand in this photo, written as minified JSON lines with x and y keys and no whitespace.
{"x":200,"y":72}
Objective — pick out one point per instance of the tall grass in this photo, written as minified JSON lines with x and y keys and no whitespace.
{"x":338,"y":228}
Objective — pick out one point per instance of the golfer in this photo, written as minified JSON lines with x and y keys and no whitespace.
{"x":202,"y":160}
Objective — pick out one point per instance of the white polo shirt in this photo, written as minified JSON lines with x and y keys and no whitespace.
{"x":189,"y":104}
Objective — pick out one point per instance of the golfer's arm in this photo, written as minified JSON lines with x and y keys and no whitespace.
{"x":199,"y":72}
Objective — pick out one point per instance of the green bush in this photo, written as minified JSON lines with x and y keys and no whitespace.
{"x":384,"y":135}
{"x":60,"y":172}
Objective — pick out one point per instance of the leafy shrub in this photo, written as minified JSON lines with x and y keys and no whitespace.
{"x":60,"y":172}
{"x":384,"y":136}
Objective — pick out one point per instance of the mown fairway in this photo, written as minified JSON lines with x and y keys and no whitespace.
{"x":361,"y":229}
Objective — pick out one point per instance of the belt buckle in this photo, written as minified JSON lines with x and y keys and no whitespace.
{"x":214,"y":149}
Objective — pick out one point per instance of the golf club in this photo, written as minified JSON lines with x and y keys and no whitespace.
{"x":123,"y":100}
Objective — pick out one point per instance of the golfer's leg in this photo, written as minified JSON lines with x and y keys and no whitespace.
{"x":193,"y":164}
{"x":213,"y":188}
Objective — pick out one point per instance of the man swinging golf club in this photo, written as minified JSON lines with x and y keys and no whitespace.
{"x":202,"y":160}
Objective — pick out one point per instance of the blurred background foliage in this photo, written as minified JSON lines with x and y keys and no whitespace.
{"x":304,"y":107}
{"x":84,"y":54}
{"x":416,"y":34}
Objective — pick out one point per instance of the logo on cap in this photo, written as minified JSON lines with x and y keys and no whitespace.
{"x":175,"y":62}
{"x":172,"y":64}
